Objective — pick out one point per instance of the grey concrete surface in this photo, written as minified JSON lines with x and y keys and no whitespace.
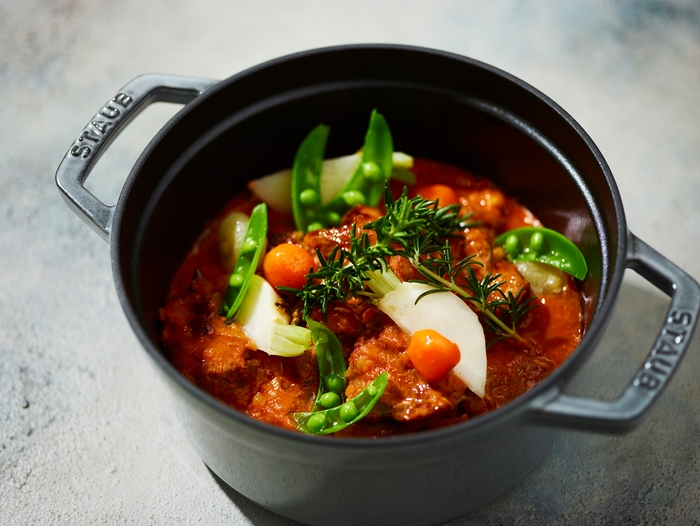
{"x":87,"y":432}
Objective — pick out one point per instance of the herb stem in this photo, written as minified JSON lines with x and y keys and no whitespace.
{"x":419,"y":231}
{"x":452,"y":286}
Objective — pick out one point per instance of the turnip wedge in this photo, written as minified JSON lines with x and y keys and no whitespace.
{"x":275,"y":188}
{"x":418,"y":306}
{"x":267,"y":324}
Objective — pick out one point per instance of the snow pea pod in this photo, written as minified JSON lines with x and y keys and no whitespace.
{"x":306,"y":180}
{"x":545,"y":246}
{"x":331,"y":366}
{"x":366,"y":186}
{"x":248,"y":258}
{"x":339,"y":417}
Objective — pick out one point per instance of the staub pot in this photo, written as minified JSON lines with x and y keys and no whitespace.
{"x":440,"y":106}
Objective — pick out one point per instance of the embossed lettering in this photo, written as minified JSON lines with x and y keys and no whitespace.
{"x":98,"y":126}
{"x":109,"y":111}
{"x":122,"y":99}
{"x":677,"y":337}
{"x":647,"y":381}
{"x":101,"y":126}
{"x":86,"y":135}
{"x":664,"y":348}
{"x":657,"y":365}
{"x":680,"y":318}
{"x":80,"y":151}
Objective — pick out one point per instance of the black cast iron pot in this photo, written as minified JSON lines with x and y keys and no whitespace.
{"x":440,"y":106}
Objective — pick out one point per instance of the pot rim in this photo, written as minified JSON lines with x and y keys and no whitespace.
{"x":546,"y":389}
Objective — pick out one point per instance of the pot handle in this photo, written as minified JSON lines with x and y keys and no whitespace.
{"x":104,"y":127}
{"x":625,"y":413}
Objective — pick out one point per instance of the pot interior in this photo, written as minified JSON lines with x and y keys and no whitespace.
{"x":438,"y":106}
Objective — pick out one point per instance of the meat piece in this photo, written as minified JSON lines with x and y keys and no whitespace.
{"x":486,"y":205}
{"x":403,"y":268}
{"x":510,"y":372}
{"x":477,"y":242}
{"x":326,"y":240}
{"x":360,"y":215}
{"x":513,"y":281}
{"x":220,"y":358}
{"x":382,"y":347}
{"x":344,"y":319}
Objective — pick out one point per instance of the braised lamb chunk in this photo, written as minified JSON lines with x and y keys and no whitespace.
{"x":382,"y":347}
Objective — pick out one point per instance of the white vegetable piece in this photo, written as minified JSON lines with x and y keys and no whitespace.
{"x":276,"y":189}
{"x":267,"y":324}
{"x":445,"y":313}
{"x":232,"y":231}
{"x":542,"y":278}
{"x":336,"y":173}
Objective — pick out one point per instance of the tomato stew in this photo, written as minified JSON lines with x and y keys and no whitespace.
{"x":220,"y":359}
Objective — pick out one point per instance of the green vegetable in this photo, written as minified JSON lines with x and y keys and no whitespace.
{"x":331,"y":364}
{"x":417,"y":230}
{"x":544,"y":246}
{"x":367,"y":184}
{"x":251,"y":250}
{"x":306,"y":180}
{"x":288,"y":340}
{"x":364,"y":187}
{"x":339,"y":417}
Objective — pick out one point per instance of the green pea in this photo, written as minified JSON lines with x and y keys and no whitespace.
{"x":249,"y":245}
{"x":335,"y":383}
{"x":316,"y":225}
{"x":349,"y":411}
{"x":329,"y":400}
{"x":512,"y":245}
{"x":339,"y":417}
{"x":537,"y":243}
{"x":544,"y":246}
{"x":353,"y":198}
{"x":332,"y":218}
{"x":247,"y":262}
{"x":366,"y":186}
{"x":331,"y":362}
{"x":316,"y":422}
{"x":308,"y":196}
{"x":372,"y":172}
{"x":236,"y":280}
{"x":306,"y":178}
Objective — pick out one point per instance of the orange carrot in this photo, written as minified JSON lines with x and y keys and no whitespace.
{"x":286,"y":265}
{"x":444,"y":194}
{"x":432,"y":354}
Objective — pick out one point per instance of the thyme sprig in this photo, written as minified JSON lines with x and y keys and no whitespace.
{"x":420,"y":231}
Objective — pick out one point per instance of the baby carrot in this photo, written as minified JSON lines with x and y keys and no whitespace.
{"x":432,"y":354}
{"x":287,"y":265}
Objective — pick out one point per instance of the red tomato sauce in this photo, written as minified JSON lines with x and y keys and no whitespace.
{"x":219,"y":358}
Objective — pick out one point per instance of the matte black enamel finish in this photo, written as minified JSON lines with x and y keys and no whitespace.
{"x":439,"y":106}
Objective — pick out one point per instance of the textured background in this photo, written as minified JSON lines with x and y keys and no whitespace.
{"x":87,"y":432}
